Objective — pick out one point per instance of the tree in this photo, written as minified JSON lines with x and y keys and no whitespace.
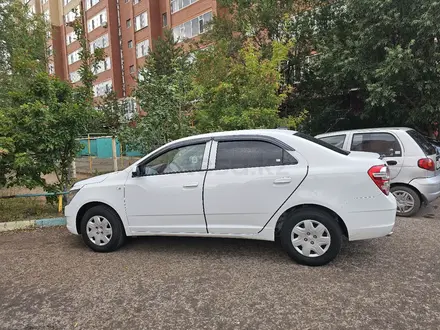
{"x":378,"y":65}
{"x":41,"y":116}
{"x":240,"y":92}
{"x":164,"y":93}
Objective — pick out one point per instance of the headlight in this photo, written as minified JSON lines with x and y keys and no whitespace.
{"x":70,"y":195}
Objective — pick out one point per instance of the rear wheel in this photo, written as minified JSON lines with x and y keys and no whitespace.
{"x":408,"y":201}
{"x":102,"y":230}
{"x":311,"y":237}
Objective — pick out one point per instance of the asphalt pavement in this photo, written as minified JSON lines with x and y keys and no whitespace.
{"x":50,"y":280}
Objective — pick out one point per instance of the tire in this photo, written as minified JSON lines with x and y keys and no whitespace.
{"x":402,"y":194}
{"x":307,"y":222}
{"x":107,"y":223}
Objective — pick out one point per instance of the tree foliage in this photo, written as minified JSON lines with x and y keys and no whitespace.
{"x":40,"y":116}
{"x":164,"y":95}
{"x":242,"y":91}
{"x":378,"y":64}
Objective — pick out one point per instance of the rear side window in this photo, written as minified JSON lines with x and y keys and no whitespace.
{"x":244,"y":154}
{"x":423,"y":143}
{"x":384,"y":144}
{"x":335,"y":140}
{"x":322,"y":143}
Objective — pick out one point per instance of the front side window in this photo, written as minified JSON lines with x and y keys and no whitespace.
{"x":384,"y":144}
{"x":184,"y":159}
{"x":335,"y":140}
{"x":245,"y":154}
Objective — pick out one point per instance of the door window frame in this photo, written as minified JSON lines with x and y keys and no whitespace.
{"x":161,"y":151}
{"x":243,"y":138}
{"x":381,"y":132}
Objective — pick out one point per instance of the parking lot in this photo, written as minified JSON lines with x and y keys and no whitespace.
{"x":50,"y":280}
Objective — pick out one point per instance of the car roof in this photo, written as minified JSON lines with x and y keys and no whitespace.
{"x":367,"y":130}
{"x":263,"y":132}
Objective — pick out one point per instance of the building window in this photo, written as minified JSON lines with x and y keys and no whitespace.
{"x":141,"y":21}
{"x":177,"y":5}
{"x":128,"y":23}
{"x":98,"y":20}
{"x":164,"y":19}
{"x":71,"y":37}
{"x":50,"y":50}
{"x":45,"y":1}
{"x":132,"y":69}
{"x":47,"y":15}
{"x":135,"y":2}
{"x":102,"y":88}
{"x":74,"y":76}
{"x":91,"y":3}
{"x":69,"y":17}
{"x":101,"y":42}
{"x":51,"y":68}
{"x":127,"y":1}
{"x":192,"y":28}
{"x":130,"y":43}
{"x":102,"y":66}
{"x":65,"y":2}
{"x":73,"y":57}
{"x":142,"y":48}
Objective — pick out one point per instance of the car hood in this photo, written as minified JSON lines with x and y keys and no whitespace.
{"x":95,"y":179}
{"x":364,"y":154}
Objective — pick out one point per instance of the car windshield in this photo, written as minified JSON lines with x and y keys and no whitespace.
{"x":423,"y":143}
{"x":322,"y":143}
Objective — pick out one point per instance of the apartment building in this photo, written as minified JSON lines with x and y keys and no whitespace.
{"x":125,"y":29}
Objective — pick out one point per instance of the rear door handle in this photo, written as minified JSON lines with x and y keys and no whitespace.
{"x":191,"y":185}
{"x":283,"y":180}
{"x":391,"y":162}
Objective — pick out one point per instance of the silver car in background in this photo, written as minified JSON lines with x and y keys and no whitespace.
{"x":413,"y":161}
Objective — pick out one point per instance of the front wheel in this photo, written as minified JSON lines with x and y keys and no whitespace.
{"x":311,"y":237}
{"x":101,"y":229}
{"x":408,"y":201}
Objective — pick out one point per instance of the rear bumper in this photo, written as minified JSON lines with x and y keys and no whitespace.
{"x":367,"y":225}
{"x":428,"y":187}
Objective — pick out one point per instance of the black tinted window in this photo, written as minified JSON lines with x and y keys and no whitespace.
{"x":321,"y":143}
{"x":242,"y":154}
{"x":384,"y":144}
{"x":335,"y":140}
{"x":423,"y":143}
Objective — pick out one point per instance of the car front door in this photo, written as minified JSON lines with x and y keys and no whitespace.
{"x":247,"y":182}
{"x":166,"y":197}
{"x":385,"y":144}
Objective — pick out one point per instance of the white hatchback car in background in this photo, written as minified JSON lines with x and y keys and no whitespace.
{"x":257,"y":184}
{"x":413,"y":161}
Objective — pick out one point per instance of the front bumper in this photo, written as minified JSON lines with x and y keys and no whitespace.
{"x":70,"y":219}
{"x":428,"y":187}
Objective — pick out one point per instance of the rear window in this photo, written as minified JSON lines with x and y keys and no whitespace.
{"x":423,"y":143}
{"x":322,"y":143}
{"x":335,"y":140}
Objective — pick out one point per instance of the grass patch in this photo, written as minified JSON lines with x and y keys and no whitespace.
{"x":16,"y":209}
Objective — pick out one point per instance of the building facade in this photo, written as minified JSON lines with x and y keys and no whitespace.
{"x":125,"y":29}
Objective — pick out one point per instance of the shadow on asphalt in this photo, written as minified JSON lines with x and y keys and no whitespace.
{"x":219,"y":247}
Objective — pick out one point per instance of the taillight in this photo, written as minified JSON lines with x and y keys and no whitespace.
{"x":380,"y":174}
{"x":426,"y":164}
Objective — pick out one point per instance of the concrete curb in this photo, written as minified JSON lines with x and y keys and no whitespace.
{"x":14,"y":225}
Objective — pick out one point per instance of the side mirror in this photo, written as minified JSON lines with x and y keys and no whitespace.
{"x":135,"y":172}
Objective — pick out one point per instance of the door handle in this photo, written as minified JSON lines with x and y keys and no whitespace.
{"x":283,"y":180}
{"x":191,"y":185}
{"x":391,"y":162}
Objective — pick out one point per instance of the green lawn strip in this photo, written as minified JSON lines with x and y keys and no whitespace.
{"x":17,"y":209}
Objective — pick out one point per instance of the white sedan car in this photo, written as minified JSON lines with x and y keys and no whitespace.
{"x":255,"y":184}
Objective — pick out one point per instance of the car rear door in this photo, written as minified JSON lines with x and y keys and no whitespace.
{"x":385,"y":144}
{"x":247,"y":182}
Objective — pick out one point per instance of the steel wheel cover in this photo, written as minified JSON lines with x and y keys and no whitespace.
{"x":311,"y":238}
